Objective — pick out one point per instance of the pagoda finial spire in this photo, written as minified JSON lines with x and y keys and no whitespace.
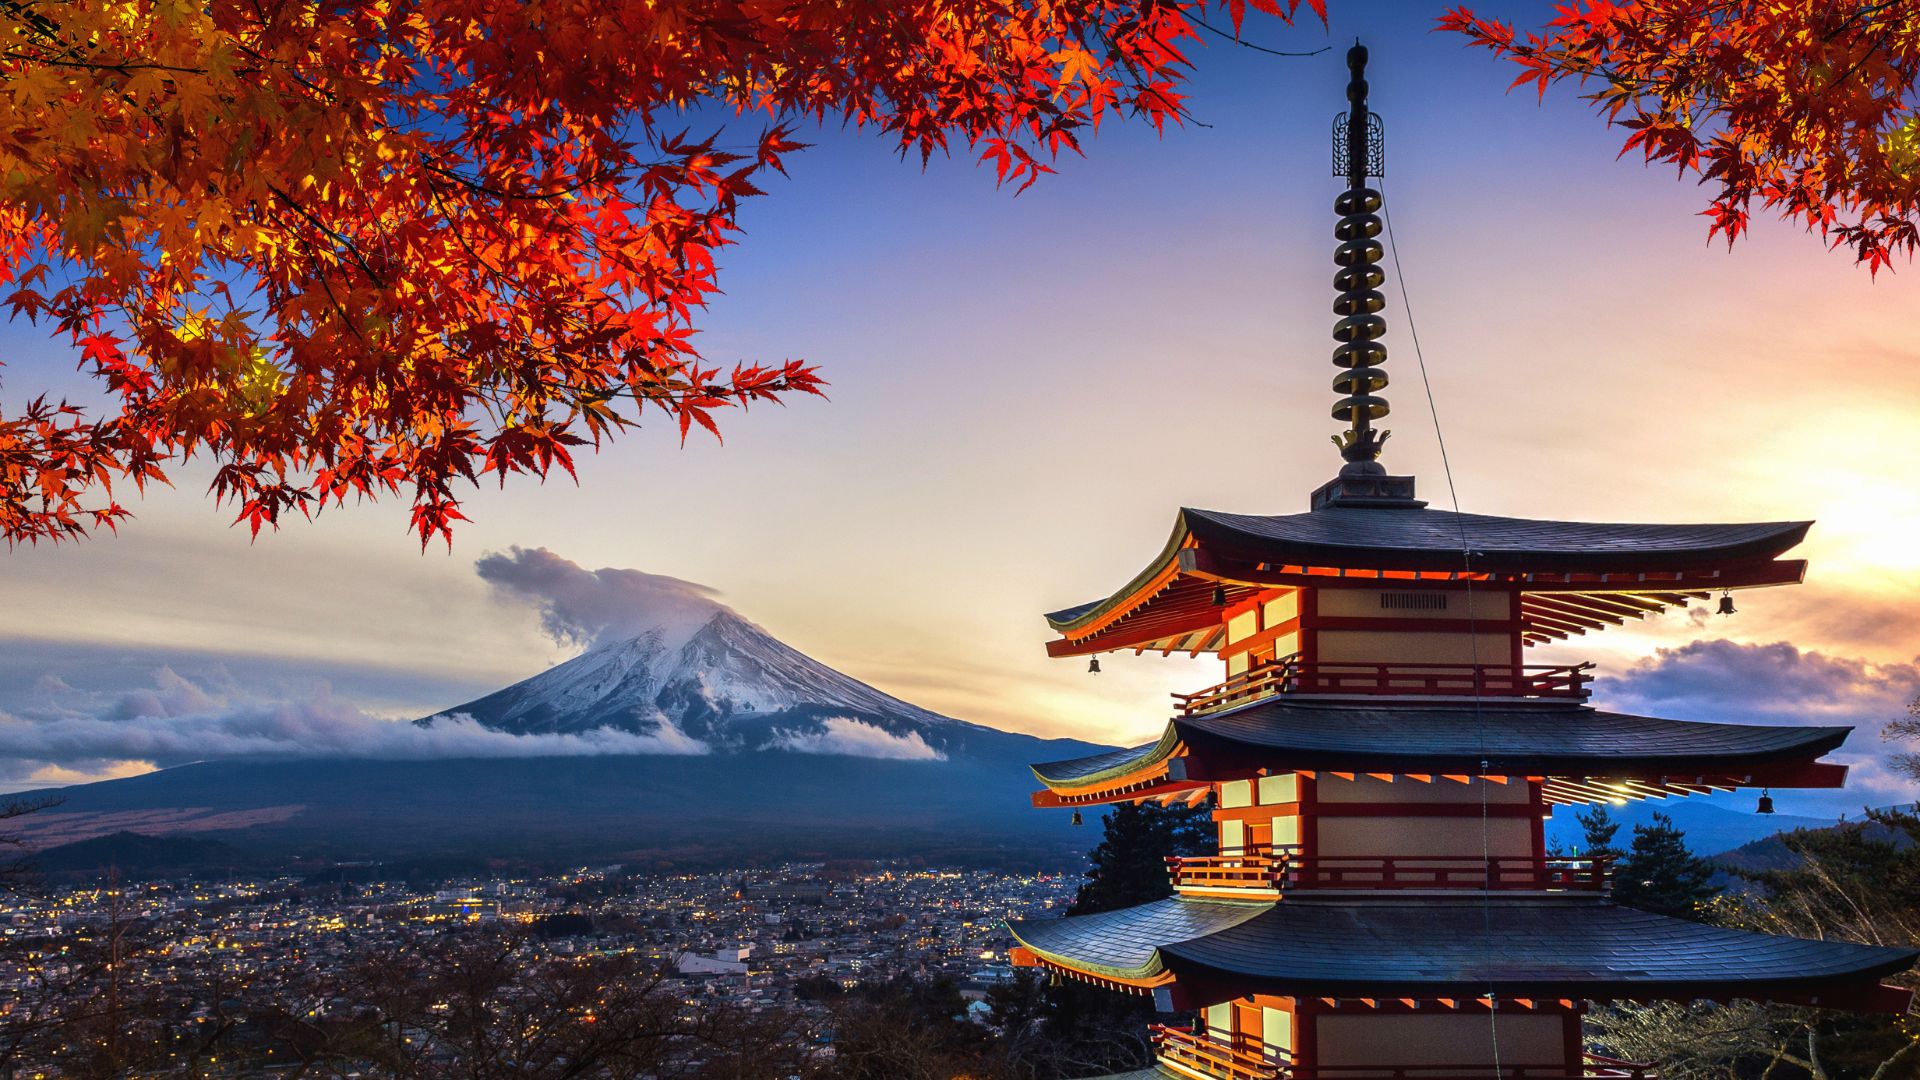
{"x":1356,"y":155}
{"x":1359,"y":154}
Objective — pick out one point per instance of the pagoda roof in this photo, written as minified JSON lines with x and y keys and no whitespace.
{"x":1523,"y":947}
{"x":1169,"y":603}
{"x":1502,"y":739}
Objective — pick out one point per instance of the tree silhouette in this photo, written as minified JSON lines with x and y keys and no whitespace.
{"x":1130,"y":862}
{"x":1659,"y":874}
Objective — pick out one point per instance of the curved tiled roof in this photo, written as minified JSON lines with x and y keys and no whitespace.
{"x":1421,"y":539}
{"x":1497,"y":542}
{"x":1098,"y":767}
{"x":1429,"y":947}
{"x":1594,"y":949}
{"x":1125,"y":944}
{"x":1553,"y":739}
{"x":1558,"y":739}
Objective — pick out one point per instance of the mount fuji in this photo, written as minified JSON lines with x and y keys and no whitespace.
{"x":704,"y":741}
{"x":728,"y":687}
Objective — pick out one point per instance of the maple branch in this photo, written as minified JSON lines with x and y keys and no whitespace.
{"x":124,"y":67}
{"x":1245,"y":44}
{"x":484,"y":189}
{"x":1858,"y":17}
{"x":352,"y":250}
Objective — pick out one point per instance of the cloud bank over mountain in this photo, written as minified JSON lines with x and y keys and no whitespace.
{"x":667,"y":669}
{"x":1778,"y":682}
{"x":856,"y":738}
{"x":585,"y":607}
{"x":60,"y":732}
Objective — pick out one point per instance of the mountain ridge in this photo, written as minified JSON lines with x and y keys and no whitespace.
{"x":730,"y":687}
{"x":761,"y":751}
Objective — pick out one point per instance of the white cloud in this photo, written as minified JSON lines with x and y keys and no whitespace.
{"x":1778,"y":683}
{"x":584,"y":607}
{"x":64,"y":732}
{"x":848,"y":737}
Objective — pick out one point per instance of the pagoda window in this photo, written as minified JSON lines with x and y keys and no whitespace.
{"x":1246,"y":828}
{"x":1276,"y":1030}
{"x":1285,"y":830}
{"x":1219,"y":1020}
{"x":1280,"y":609}
{"x":1284,"y":788}
{"x":1233,"y":835}
{"x":1243,"y":626}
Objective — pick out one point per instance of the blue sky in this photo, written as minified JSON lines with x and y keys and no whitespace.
{"x":1025,"y":388}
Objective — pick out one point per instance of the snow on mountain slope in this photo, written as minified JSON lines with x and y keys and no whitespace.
{"x":731,"y":686}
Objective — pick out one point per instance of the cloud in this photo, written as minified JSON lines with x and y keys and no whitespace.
{"x":848,"y":737}
{"x":63,"y":732}
{"x":578,"y":606}
{"x":1777,"y":680}
{"x":1777,"y":683}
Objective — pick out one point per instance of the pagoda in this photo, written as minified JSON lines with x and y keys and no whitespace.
{"x":1380,"y":761}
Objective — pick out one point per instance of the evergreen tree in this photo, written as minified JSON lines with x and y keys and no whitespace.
{"x":1130,"y":863}
{"x":1597,"y":828}
{"x":1661,"y":875}
{"x":1090,"y":1029}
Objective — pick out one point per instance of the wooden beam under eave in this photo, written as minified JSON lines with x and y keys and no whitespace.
{"x":1624,"y":604}
{"x":1535,"y":615}
{"x":1573,"y":609}
{"x":1546,"y":624}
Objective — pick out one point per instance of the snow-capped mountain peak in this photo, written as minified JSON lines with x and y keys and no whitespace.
{"x":730,"y":685}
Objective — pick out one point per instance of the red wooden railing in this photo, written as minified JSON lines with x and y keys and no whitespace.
{"x":1249,"y":868}
{"x":1291,"y":675}
{"x":1286,"y":869}
{"x":1239,"y":1058}
{"x":1215,"y":1057}
{"x":1593,"y":1067}
{"x":1442,"y":872}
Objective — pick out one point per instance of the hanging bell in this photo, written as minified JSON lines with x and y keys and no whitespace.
{"x":1726,"y":603}
{"x":1219,"y":595}
{"x":1093,"y":666}
{"x":1076,"y":818}
{"x":1766,"y":802}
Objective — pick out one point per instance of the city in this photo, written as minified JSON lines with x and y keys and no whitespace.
{"x":738,"y":943}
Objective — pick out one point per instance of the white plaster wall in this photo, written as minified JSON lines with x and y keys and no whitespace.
{"x":1411,"y":647}
{"x":1410,"y":837}
{"x":1444,"y":1039}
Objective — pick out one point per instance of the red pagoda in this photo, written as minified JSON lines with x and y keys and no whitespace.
{"x":1381,"y":760}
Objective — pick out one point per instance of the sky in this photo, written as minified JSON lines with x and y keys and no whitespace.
{"x":1025,"y":388}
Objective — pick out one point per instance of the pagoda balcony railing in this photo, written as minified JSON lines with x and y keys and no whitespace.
{"x":1240,"y":1058}
{"x":1245,"y":868}
{"x":1292,"y":675}
{"x":1286,"y":870}
{"x":1444,"y":872}
{"x":1592,"y":1067}
{"x":1210,"y":1056}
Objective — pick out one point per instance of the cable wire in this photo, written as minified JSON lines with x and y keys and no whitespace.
{"x":1473,"y":634}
